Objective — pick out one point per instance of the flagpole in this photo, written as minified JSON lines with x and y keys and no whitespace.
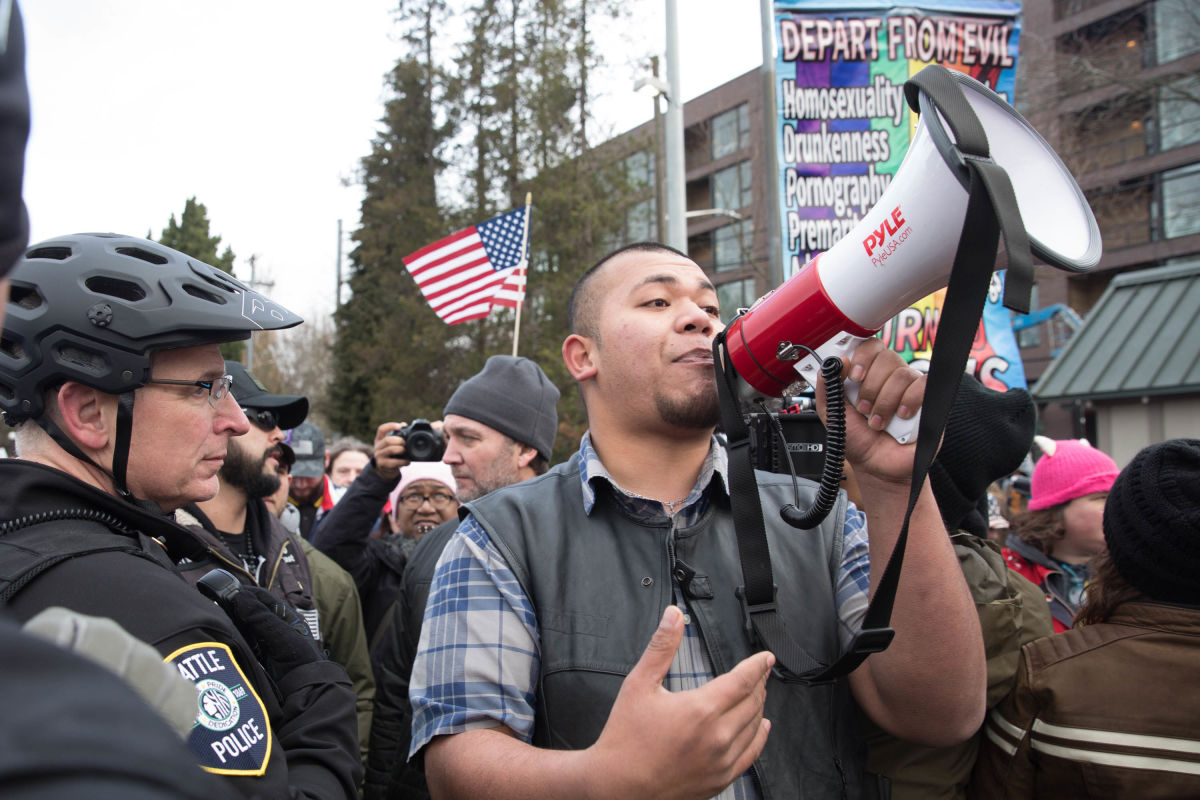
{"x":524,"y":266}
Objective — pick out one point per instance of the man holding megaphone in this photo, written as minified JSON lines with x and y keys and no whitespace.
{"x":584,"y":633}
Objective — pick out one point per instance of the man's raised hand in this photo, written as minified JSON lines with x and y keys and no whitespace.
{"x":689,"y":744}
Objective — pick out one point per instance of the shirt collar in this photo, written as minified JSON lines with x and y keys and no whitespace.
{"x":591,"y":469}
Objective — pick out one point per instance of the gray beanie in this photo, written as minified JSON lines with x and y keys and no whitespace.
{"x":512,"y":395}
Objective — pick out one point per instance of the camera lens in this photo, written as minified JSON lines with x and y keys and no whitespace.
{"x":422,"y":446}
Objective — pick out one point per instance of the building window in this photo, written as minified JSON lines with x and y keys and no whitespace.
{"x":640,"y":222}
{"x":1181,"y":201}
{"x":734,"y":295}
{"x":1179,"y":112}
{"x":731,"y":245}
{"x":1175,"y":23}
{"x":731,"y":187}
{"x":731,"y":131}
{"x":639,"y":169}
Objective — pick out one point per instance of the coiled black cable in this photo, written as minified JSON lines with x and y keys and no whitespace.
{"x":835,"y":452}
{"x":54,"y":515}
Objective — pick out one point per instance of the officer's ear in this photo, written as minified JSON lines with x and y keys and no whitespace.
{"x":85,"y":414}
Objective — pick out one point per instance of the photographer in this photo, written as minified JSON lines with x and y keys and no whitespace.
{"x":345,"y":532}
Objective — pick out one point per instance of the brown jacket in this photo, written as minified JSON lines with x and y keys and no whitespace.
{"x":1102,"y":711}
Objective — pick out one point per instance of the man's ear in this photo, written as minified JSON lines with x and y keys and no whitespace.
{"x":579,"y":356}
{"x":87,"y":415}
{"x":525,"y":455}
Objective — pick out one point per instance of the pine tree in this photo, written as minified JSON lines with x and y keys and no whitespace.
{"x":190,"y":235}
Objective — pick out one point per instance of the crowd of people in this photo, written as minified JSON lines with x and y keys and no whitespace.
{"x":200,"y":599}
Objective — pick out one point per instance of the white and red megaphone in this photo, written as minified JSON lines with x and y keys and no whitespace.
{"x":904,"y":248}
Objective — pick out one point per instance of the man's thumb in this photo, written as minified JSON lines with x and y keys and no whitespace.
{"x":656,"y":659}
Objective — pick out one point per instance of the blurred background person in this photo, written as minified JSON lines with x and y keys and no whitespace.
{"x":345,"y":459}
{"x":310,"y":492}
{"x":1053,"y":541}
{"x":1109,"y":709}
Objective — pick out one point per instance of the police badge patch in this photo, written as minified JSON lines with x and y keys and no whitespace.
{"x":232,"y":734}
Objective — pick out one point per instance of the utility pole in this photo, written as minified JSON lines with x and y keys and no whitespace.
{"x":337,"y":292}
{"x":660,"y":167}
{"x":676,"y":200}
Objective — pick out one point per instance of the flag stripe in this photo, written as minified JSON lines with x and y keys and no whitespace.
{"x":418,"y":259}
{"x":486,"y":285}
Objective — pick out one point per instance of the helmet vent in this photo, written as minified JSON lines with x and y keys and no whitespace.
{"x":80,"y":360}
{"x":144,"y":255}
{"x":203,"y":294}
{"x":12,"y":348}
{"x":58,"y":253}
{"x":219,"y":280}
{"x":26,"y":297}
{"x":116,"y":287}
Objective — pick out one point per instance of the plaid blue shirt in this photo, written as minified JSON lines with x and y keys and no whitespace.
{"x":478,"y":661}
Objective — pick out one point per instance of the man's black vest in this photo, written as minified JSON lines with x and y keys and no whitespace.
{"x":600,"y":583}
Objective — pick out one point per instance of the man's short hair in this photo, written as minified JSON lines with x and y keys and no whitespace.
{"x":581,"y":310}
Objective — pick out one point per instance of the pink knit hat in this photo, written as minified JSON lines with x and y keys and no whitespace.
{"x":1068,"y":468}
{"x":421,"y":471}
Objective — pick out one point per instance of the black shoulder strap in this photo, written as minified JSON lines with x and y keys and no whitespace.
{"x":30,"y":546}
{"x":991,"y":209}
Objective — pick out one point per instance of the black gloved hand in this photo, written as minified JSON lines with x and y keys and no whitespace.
{"x":279,"y":635}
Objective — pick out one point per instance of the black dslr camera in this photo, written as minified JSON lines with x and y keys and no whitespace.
{"x":421,"y":441}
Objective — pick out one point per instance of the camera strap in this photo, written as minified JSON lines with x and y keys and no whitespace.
{"x":991,"y":211}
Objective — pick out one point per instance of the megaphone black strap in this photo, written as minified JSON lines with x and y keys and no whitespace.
{"x":970,"y":140}
{"x":991,"y":208}
{"x":757,"y":594}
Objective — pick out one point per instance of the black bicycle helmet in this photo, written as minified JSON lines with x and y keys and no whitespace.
{"x":92,"y":307}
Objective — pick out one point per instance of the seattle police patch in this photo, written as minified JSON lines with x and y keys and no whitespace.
{"x":232,"y":734}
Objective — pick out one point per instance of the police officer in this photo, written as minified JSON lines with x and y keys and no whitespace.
{"x":111,"y":371}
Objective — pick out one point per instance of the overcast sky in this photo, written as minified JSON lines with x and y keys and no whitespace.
{"x":261,"y":110}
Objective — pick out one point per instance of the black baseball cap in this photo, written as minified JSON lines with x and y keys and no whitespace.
{"x":250,"y":393}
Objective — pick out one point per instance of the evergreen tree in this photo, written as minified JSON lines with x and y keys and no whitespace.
{"x":190,"y":235}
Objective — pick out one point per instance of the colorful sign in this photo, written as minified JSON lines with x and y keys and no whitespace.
{"x":844,"y":127}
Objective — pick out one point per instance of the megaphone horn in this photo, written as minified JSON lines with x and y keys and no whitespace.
{"x":904,"y":248}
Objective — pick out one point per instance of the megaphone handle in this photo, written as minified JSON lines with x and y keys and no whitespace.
{"x":843,"y":346}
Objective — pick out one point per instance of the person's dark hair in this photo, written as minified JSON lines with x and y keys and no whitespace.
{"x":581,"y":317}
{"x":1106,"y":589}
{"x":343,"y":446}
{"x":539,"y":465}
{"x":1042,"y":528}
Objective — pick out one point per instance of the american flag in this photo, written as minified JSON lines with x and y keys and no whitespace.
{"x":467,"y":274}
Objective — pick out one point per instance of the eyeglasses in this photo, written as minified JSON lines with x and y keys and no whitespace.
{"x":414,"y":501}
{"x":216,"y":389}
{"x":264,"y":418}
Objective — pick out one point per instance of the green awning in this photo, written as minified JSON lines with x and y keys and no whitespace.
{"x":1142,"y":339}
